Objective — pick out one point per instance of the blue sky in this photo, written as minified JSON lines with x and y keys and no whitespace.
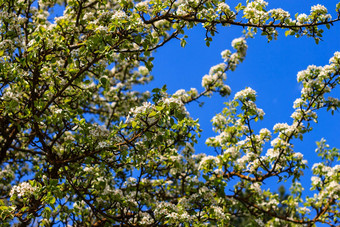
{"x":269,"y":68}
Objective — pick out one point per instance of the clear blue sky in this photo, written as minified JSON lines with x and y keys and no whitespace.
{"x":269,"y":68}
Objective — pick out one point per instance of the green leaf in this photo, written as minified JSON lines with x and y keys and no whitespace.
{"x":138,"y":39}
{"x":287,"y":33}
{"x":183,"y":42}
{"x":156,"y":90}
{"x":153,"y":113}
{"x":104,"y":81}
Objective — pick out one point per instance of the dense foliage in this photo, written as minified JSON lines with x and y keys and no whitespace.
{"x":79,"y":146}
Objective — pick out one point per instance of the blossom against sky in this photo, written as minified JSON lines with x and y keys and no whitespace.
{"x":270,"y":69}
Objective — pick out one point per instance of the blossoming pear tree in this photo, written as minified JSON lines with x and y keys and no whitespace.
{"x":80,"y":147}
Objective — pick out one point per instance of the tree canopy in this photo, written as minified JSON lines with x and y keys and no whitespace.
{"x":81,"y":146}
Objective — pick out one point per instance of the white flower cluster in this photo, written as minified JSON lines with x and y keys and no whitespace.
{"x":209,"y":162}
{"x":186,"y":96}
{"x":334,"y":189}
{"x":215,"y":77}
{"x":218,"y":211}
{"x":141,"y":109}
{"x":101,"y":28}
{"x":181,"y":93}
{"x":316,"y":181}
{"x":218,"y":120}
{"x":223,"y":7}
{"x":143,"y":5}
{"x":320,"y":12}
{"x":6,"y":173}
{"x":306,"y":74}
{"x":218,"y":69}
{"x":242,"y":161}
{"x":335,"y":102}
{"x":335,"y":60}
{"x":305,"y":115}
{"x":301,"y":18}
{"x":272,"y":153}
{"x":193,"y":2}
{"x":146,"y":219}
{"x":119,"y":15}
{"x":232,"y":152}
{"x":220,"y":139}
{"x":143,"y":70}
{"x":163,"y":208}
{"x":175,"y":102}
{"x":182,"y":9}
{"x":298,"y":103}
{"x":240,"y":44}
{"x":286,"y":131}
{"x":280,"y":127}
{"x":279,"y":14}
{"x":225,"y":90}
{"x":320,"y":9}
{"x":316,"y":80}
{"x":256,"y":187}
{"x":330,"y":184}
{"x":88,"y":16}
{"x":131,"y":181}
{"x":321,"y":168}
{"x":303,"y":210}
{"x":172,"y":100}
{"x":99,"y":131}
{"x":278,"y":142}
{"x":23,"y":189}
{"x":207,"y":81}
{"x":252,"y":106}
{"x":259,"y":222}
{"x":207,"y":12}
{"x":245,"y":93}
{"x":217,"y":73}
{"x":6,"y":176}
{"x":299,"y":156}
{"x":265,"y":134}
{"x":255,"y":11}
{"x":226,"y":55}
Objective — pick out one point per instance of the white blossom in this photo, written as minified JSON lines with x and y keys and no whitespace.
{"x":335,"y":59}
{"x":316,"y":180}
{"x":224,"y":7}
{"x":22,"y":189}
{"x":119,"y":15}
{"x":239,"y":43}
{"x":259,"y":222}
{"x":319,"y":9}
{"x":248,"y":92}
{"x":217,"y":68}
{"x":219,"y":120}
{"x":143,"y":70}
{"x":225,"y":55}
{"x":272,"y":153}
{"x":209,"y":160}
{"x":302,"y":18}
{"x":207,"y":81}
{"x":143,"y":5}
{"x":141,"y":109}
